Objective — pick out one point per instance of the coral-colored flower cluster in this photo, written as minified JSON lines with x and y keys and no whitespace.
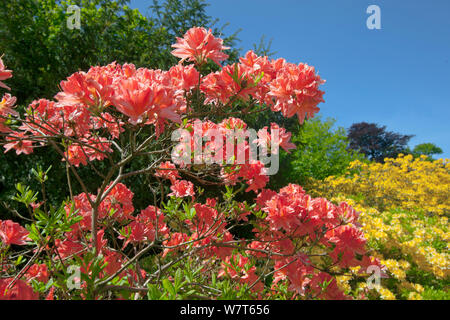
{"x":286,"y":87}
{"x":8,"y":101}
{"x":198,"y":45}
{"x":117,"y":206}
{"x":293,"y":215}
{"x":228,"y":144}
{"x":20,"y":290}
{"x":13,"y":233}
{"x":92,"y":106}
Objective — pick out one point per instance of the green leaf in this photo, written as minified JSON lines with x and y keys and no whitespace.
{"x":169,"y":287}
{"x":178,"y":279}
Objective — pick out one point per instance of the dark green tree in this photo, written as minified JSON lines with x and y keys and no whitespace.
{"x":376,"y":142}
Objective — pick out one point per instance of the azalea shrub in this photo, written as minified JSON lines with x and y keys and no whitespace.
{"x":413,"y":248}
{"x":404,"y":207}
{"x":210,"y":228}
{"x":405,"y":182}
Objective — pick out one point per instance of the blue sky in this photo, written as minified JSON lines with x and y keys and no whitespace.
{"x":398,"y":76}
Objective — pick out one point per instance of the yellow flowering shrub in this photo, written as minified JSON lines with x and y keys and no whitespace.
{"x":404,"y":182}
{"x":404,"y":206}
{"x":413,"y":247}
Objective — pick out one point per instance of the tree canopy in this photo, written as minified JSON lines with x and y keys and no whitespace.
{"x":427,"y":149}
{"x":376,"y":142}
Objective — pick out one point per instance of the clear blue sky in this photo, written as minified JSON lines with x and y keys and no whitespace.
{"x":398,"y":76}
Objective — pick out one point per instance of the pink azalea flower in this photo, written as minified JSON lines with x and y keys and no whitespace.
{"x":4,"y":74}
{"x":182,"y":188}
{"x":13,"y":233}
{"x":197,"y":45}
